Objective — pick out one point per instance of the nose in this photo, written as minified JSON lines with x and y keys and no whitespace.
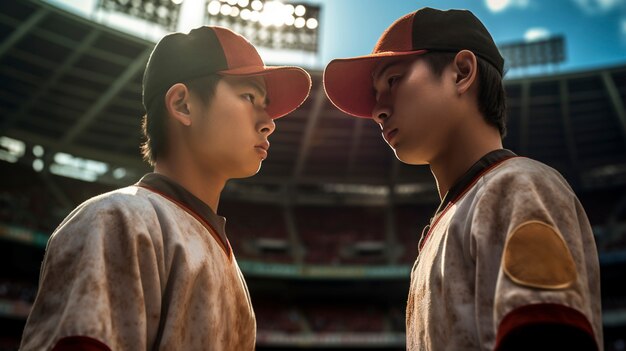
{"x":266,"y":125}
{"x":381,"y":113}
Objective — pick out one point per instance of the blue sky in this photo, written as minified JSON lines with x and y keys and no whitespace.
{"x":595,"y":30}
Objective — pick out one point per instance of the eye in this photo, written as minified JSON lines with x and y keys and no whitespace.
{"x":393,"y":80}
{"x":249,"y":97}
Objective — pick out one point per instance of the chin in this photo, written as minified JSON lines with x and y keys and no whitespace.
{"x":409,"y":159}
{"x":247,"y":172}
{"x":256,"y":168}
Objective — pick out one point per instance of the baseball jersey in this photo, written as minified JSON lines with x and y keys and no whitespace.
{"x":146,"y":267}
{"x":510,"y":246}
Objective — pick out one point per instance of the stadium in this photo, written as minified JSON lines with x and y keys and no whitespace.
{"x":327,"y":232}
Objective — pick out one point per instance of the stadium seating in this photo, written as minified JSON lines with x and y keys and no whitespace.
{"x":329,"y":234}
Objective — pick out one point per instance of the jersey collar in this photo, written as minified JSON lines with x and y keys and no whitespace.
{"x":168,"y":188}
{"x":463,"y":184}
{"x":468,"y":178}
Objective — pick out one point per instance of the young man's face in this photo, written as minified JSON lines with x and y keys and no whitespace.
{"x":414,"y":108}
{"x":229,"y":136}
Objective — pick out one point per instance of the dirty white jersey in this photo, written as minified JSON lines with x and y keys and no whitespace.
{"x":147,"y":267}
{"x":509,"y":247}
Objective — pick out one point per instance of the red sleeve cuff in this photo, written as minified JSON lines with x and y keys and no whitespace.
{"x":80,"y":343}
{"x":542,"y":314}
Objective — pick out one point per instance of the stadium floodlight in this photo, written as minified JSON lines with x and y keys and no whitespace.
{"x":270,"y":24}
{"x":11,"y":150}
{"x":534,"y":53}
{"x":300,"y":10}
{"x":162,"y":12}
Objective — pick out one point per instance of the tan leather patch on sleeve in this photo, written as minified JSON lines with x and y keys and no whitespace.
{"x":535,"y":255}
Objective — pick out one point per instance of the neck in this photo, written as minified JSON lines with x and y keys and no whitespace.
{"x":205,"y":187}
{"x":457,"y":158}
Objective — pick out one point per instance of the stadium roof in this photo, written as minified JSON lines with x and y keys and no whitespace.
{"x":72,"y":85}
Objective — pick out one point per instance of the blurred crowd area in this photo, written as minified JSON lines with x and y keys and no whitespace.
{"x":329,"y":236}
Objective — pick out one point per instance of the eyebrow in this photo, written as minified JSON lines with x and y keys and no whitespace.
{"x":256,"y":86}
{"x":378,"y":73}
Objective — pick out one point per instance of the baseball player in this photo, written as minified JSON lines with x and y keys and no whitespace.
{"x":508,"y":261}
{"x":149,"y":266}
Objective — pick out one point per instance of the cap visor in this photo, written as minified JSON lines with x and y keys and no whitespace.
{"x":348,"y":82}
{"x":287,"y":86}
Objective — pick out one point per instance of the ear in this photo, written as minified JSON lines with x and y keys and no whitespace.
{"x":177,"y":103}
{"x":466,"y":68}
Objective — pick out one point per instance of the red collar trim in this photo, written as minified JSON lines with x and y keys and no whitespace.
{"x":458,"y":197}
{"x":224,"y":244}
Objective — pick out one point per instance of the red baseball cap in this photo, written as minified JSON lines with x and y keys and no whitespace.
{"x":348,"y":82}
{"x":208,"y":50}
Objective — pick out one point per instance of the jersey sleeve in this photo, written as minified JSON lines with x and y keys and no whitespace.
{"x":536,"y":259}
{"x":99,"y":280}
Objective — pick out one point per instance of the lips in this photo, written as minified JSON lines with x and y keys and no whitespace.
{"x":262,"y":148}
{"x":389,"y":134}
{"x":264,"y":145}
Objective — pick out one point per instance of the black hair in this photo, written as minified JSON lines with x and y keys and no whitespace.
{"x":491,"y":94}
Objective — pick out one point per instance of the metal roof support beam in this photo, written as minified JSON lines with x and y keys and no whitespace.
{"x":71,"y":44}
{"x":567,"y":124}
{"x":56,"y":191}
{"x":58,"y":73}
{"x":393,"y":248}
{"x":393,"y":251}
{"x":524,"y":116}
{"x":616,"y":101}
{"x":303,"y":153}
{"x":113,"y":90}
{"x":23,"y":29}
{"x":354,"y":147}
{"x":299,"y":251}
{"x":617,"y":211}
{"x":395,"y":169}
{"x":296,"y":248}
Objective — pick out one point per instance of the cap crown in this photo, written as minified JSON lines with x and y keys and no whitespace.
{"x":204,"y":51}
{"x":437,"y":30}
